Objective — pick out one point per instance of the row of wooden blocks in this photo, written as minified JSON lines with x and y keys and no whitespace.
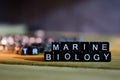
{"x":78,"y":56}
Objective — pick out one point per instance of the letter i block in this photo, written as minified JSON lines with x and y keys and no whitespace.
{"x":84,"y":46}
{"x":57,"y":56}
{"x":48,"y":56}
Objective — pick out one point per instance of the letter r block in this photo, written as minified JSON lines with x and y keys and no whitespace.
{"x":35,"y":51}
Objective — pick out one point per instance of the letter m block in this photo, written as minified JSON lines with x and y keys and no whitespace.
{"x":55,"y":46}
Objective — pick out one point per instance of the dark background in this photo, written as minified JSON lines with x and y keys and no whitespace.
{"x":89,"y":16}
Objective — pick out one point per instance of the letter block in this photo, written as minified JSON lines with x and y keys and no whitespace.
{"x":55,"y":46}
{"x":86,"y":56}
{"x":26,"y":50}
{"x":57,"y":55}
{"x":48,"y":56}
{"x":76,"y":56}
{"x":67,"y":56}
{"x":104,"y":46}
{"x":94,"y":46}
{"x":106,"y":56}
{"x":96,"y":56}
{"x":35,"y":51}
{"x":84,"y":46}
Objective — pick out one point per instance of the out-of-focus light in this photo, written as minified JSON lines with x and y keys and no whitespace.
{"x":10,"y":40}
{"x":39,"y":40}
{"x":32,"y":40}
{"x":4,"y":41}
{"x":50,"y":40}
{"x":40,"y":33}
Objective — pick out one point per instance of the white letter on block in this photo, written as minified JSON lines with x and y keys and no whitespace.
{"x":67,"y":54}
{"x":25,"y":50}
{"x":35,"y":51}
{"x":65,"y":47}
{"x":96,"y":57}
{"x":48,"y":56}
{"x":106,"y":56}
{"x":95,"y":47}
{"x":55,"y":47}
{"x":104,"y":46}
{"x":86,"y":56}
{"x":76,"y":57}
{"x":75,"y":46}
{"x":58,"y":56}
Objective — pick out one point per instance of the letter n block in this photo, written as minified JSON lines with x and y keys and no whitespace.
{"x":94,"y":46}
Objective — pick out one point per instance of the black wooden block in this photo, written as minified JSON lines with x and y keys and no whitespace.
{"x":76,"y":56}
{"x":106,"y":56}
{"x":35,"y":50}
{"x":48,"y":56}
{"x":75,"y":47}
{"x":86,"y":56}
{"x":84,"y":46}
{"x":65,"y":46}
{"x":25,"y":51}
{"x":96,"y":56}
{"x":104,"y":46}
{"x":57,"y":56}
{"x":55,"y":46}
{"x":67,"y":56}
{"x":94,"y":46}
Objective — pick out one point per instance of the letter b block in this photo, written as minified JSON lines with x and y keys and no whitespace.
{"x":48,"y":56}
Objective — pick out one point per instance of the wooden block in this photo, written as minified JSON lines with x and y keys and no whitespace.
{"x":48,"y":56}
